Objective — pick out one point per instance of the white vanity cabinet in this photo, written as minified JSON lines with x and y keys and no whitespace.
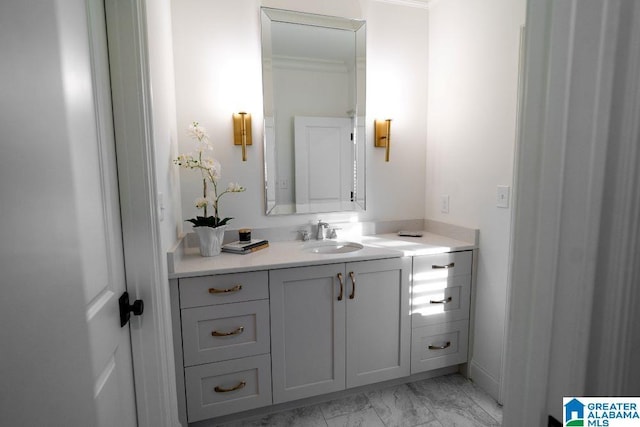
{"x":285,"y":324}
{"x":440,"y":300}
{"x":338,"y":326}
{"x":222,"y":344}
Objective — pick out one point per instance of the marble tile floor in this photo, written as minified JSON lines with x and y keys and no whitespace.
{"x":445,"y":401}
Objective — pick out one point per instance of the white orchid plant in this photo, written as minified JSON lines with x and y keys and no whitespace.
{"x":210,"y":171}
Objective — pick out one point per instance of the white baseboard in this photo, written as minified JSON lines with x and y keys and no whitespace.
{"x":484,"y":380}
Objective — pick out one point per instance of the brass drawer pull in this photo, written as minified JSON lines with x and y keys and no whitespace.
{"x":446,"y":267}
{"x":227,"y":334}
{"x":341,"y":286}
{"x":353,"y":290}
{"x":236,"y":288}
{"x":240,"y":385}
{"x":442,"y":301}
{"x":440,"y":347}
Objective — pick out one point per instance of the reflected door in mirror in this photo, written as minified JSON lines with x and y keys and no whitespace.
{"x":324,"y":164}
{"x":313,"y":67}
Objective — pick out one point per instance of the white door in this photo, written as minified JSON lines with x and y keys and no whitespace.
{"x":324,"y":163}
{"x":103,"y":262}
{"x":378,"y":321}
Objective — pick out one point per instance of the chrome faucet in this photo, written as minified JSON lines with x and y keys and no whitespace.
{"x":322,"y":228}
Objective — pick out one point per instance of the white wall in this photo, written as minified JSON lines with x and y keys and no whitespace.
{"x":473,"y":74}
{"x":45,"y":359}
{"x":218,"y":72}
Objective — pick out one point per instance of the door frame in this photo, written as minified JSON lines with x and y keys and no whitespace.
{"x":146,"y":275}
{"x":537,"y":221}
{"x":562,"y":150}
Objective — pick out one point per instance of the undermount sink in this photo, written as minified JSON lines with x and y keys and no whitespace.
{"x":332,"y":247}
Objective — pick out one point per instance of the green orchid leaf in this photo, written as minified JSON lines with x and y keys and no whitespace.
{"x":224,"y":221}
{"x":208,"y":221}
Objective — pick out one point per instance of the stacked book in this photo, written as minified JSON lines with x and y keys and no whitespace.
{"x":239,"y":247}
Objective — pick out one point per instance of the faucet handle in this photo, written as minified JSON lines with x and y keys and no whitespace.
{"x":332,"y":232}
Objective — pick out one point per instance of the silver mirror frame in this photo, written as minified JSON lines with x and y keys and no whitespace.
{"x":358,"y":27}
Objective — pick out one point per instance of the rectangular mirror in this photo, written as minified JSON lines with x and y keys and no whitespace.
{"x":313,"y":72}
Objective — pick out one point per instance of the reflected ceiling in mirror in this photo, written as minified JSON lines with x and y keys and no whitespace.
{"x":313,"y":71}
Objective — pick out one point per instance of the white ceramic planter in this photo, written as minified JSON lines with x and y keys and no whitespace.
{"x":210,"y":240}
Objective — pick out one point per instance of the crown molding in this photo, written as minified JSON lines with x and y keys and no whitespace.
{"x":420,"y":4}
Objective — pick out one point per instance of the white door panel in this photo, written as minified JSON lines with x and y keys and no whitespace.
{"x":101,"y":240}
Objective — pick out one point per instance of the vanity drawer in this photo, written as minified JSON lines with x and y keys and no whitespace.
{"x":437,"y":346}
{"x":442,"y":266}
{"x":223,"y":388}
{"x":221,"y":332}
{"x":223,"y":288}
{"x":437,"y":301}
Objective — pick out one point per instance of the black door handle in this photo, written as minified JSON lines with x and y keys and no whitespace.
{"x":137,"y":308}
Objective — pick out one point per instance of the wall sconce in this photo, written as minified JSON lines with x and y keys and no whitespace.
{"x":242,"y":132}
{"x":382,"y":136}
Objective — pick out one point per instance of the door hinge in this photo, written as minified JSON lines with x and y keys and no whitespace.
{"x":137,"y":308}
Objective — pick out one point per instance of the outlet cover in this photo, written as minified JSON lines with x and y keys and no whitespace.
{"x":444,"y":203}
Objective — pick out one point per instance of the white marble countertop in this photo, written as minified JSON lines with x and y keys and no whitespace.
{"x":429,"y":243}
{"x":189,"y":263}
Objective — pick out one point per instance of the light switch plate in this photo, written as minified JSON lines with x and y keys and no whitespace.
{"x":502,"y":199}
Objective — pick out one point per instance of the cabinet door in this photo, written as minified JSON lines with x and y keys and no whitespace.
{"x":307,"y":331}
{"x":378,"y":320}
